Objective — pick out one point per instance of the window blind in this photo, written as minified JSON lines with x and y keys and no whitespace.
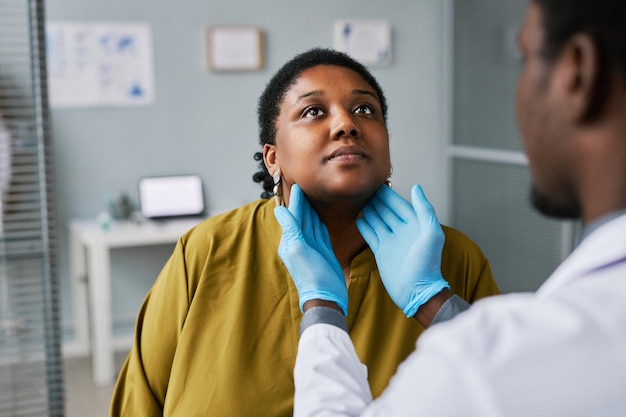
{"x":31,"y":378}
{"x":489,"y":177}
{"x":486,"y":67}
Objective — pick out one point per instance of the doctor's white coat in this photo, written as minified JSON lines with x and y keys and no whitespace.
{"x":558,"y":352}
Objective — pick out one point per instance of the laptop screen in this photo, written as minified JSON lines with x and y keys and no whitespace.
{"x":171,"y":196}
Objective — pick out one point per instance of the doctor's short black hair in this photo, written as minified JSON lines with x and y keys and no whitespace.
{"x":268,"y":107}
{"x":604,"y":21}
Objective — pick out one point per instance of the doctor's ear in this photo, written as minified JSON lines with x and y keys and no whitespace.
{"x":585,"y":84}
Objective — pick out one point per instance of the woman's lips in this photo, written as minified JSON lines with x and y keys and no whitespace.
{"x":347,"y":153}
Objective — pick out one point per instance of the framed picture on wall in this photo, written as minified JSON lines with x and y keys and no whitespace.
{"x":367,"y":41}
{"x":234,"y":48}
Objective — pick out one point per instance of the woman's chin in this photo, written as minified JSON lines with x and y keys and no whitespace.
{"x":353,"y":194}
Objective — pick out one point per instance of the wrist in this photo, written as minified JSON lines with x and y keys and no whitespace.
{"x":423,"y":294}
{"x":320,"y":303}
{"x":427,"y":311}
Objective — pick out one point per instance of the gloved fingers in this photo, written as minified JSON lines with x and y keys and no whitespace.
{"x":287,"y":222}
{"x":368,"y":233}
{"x":313,"y":230}
{"x":423,"y":209}
{"x":326,"y":248}
{"x":319,"y":232}
{"x":296,"y":203}
{"x":309,"y":216}
{"x":374,"y":220}
{"x":311,"y":224}
{"x":388,"y":203}
{"x":394,"y":216}
{"x":384,"y":213}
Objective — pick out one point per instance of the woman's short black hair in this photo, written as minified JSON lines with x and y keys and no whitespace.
{"x":269,"y":103}
{"x":603,"y":20}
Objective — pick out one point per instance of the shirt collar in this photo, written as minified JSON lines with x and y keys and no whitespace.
{"x":597,"y":223}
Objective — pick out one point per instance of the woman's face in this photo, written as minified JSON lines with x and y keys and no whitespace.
{"x":331,"y":137}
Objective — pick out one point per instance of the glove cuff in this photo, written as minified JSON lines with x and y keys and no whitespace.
{"x":421,"y":296}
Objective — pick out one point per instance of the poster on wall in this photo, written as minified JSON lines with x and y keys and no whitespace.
{"x":99,"y":64}
{"x":367,"y":41}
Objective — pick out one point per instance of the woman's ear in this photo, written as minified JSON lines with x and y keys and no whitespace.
{"x":269,"y":158}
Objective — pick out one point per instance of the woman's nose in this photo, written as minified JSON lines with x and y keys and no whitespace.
{"x":345,"y":126}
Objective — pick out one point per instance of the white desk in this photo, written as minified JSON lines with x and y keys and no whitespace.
{"x":91,"y":280}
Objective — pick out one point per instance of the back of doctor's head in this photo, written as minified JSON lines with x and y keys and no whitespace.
{"x":268,"y":107}
{"x":603,"y":20}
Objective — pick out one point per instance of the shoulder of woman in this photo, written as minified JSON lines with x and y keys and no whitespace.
{"x":230,"y":223}
{"x":457,"y":241}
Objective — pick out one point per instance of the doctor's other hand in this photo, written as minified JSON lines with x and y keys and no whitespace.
{"x":407,"y":241}
{"x":306,"y":251}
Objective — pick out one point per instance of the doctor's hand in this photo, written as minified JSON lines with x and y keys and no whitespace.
{"x":407,"y":242}
{"x":306,"y":251}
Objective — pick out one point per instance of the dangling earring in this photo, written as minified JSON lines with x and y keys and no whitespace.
{"x":278,"y":198}
{"x":388,"y":181}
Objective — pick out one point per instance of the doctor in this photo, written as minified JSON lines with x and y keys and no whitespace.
{"x":558,"y":352}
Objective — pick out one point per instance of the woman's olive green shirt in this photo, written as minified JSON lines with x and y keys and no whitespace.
{"x":217,"y":334}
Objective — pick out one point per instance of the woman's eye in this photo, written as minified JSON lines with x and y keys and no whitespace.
{"x":313,"y":112}
{"x":364,"y":109}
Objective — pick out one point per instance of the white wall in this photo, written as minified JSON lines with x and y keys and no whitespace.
{"x":205,"y":122}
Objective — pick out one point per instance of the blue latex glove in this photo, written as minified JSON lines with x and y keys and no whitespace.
{"x":407,"y":242}
{"x":307,"y":253}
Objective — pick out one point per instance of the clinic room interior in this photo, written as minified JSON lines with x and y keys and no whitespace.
{"x":448,"y":72}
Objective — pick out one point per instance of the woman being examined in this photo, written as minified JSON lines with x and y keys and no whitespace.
{"x":217,"y":334}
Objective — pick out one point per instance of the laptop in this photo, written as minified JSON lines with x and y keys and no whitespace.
{"x":173,"y":196}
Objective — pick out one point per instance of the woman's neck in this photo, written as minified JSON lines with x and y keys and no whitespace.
{"x":344,"y":236}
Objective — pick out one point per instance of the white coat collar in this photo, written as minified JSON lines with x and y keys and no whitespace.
{"x":604,"y":246}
